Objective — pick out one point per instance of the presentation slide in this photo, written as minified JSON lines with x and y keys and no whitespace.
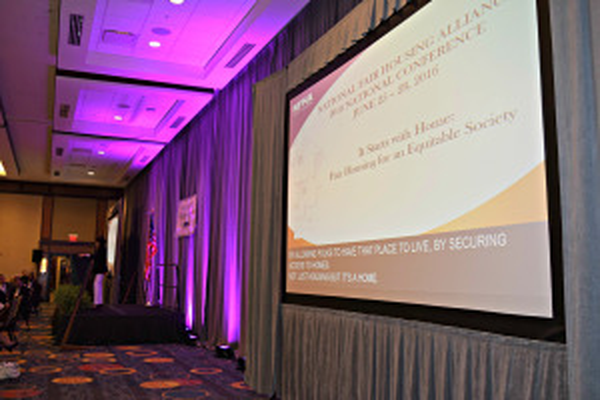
{"x":417,"y":168}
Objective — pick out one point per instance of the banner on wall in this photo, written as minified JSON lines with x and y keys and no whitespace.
{"x":186,"y":216}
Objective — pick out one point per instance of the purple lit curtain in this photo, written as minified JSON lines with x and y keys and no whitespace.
{"x":212,"y":158}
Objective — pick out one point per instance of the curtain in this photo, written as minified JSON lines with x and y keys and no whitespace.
{"x":576,"y":63}
{"x":331,"y":354}
{"x":266,"y":256}
{"x":212,"y":158}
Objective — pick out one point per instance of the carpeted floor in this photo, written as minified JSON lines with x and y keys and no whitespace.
{"x":161,"y":371}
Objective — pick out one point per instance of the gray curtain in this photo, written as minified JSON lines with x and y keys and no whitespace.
{"x":576,"y":63}
{"x":307,"y":353}
{"x":266,"y":251}
{"x":342,"y":355}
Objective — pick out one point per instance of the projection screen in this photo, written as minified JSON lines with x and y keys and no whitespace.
{"x":417,"y":168}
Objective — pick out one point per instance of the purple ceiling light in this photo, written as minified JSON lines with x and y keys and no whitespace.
{"x":75,"y":156}
{"x":198,"y":37}
{"x":154,"y":114}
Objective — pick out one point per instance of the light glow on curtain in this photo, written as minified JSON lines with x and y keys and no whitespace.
{"x":232,"y":294}
{"x":190,"y":292}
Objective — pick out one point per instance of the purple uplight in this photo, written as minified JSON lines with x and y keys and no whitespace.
{"x":205,"y":251}
{"x":232,"y":292}
{"x":190,"y":283}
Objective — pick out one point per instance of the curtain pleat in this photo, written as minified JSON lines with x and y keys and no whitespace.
{"x":331,"y":354}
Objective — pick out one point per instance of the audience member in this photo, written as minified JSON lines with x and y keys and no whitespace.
{"x":4,"y":290}
{"x":25,"y":292}
{"x":7,"y":324}
{"x":36,"y":293}
{"x":99,"y":269}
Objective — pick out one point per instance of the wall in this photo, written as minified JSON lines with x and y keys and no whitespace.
{"x":74,"y":215}
{"x":21,"y":217}
{"x":20,"y":225}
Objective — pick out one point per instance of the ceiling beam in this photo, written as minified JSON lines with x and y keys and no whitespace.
{"x":46,"y":189}
{"x":7,"y":149}
{"x":130,"y":81}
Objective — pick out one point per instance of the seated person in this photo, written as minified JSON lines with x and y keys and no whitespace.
{"x":4,"y":290}
{"x":5,"y":327}
{"x":4,"y":298}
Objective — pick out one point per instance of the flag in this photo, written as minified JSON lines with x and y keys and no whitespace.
{"x":151,"y":248}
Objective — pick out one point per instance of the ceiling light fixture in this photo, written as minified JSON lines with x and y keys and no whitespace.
{"x":154,"y":43}
{"x":118,"y":118}
{"x":177,"y":2}
{"x":101,"y":152}
{"x":2,"y":169}
{"x":91,"y":172}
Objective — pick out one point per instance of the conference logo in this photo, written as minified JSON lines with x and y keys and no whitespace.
{"x":304,"y":102}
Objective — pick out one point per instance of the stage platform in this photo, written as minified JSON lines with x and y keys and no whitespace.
{"x":127,"y":324}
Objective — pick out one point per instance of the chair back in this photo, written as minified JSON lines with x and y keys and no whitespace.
{"x":13,"y":312}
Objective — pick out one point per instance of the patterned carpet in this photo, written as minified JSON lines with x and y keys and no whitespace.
{"x":161,"y":371}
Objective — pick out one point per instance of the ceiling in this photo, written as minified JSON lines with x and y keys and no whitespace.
{"x":92,"y":90}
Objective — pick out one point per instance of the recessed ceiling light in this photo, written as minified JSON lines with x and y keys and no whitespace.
{"x":118,"y":118}
{"x":2,"y":169}
{"x":91,"y":172}
{"x":101,"y":152}
{"x":177,"y":2}
{"x":154,"y":43}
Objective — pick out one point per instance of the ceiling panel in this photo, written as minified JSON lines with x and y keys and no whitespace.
{"x":188,"y":44}
{"x":30,"y":141}
{"x":121,"y":110}
{"x":9,"y":164}
{"x":93,"y":160}
{"x":162,"y":29}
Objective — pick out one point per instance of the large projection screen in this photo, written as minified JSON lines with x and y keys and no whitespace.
{"x":417,"y":169}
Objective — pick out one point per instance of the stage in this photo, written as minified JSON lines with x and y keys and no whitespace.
{"x":127,"y":324}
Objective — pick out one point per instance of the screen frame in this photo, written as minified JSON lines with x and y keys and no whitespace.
{"x":540,"y":328}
